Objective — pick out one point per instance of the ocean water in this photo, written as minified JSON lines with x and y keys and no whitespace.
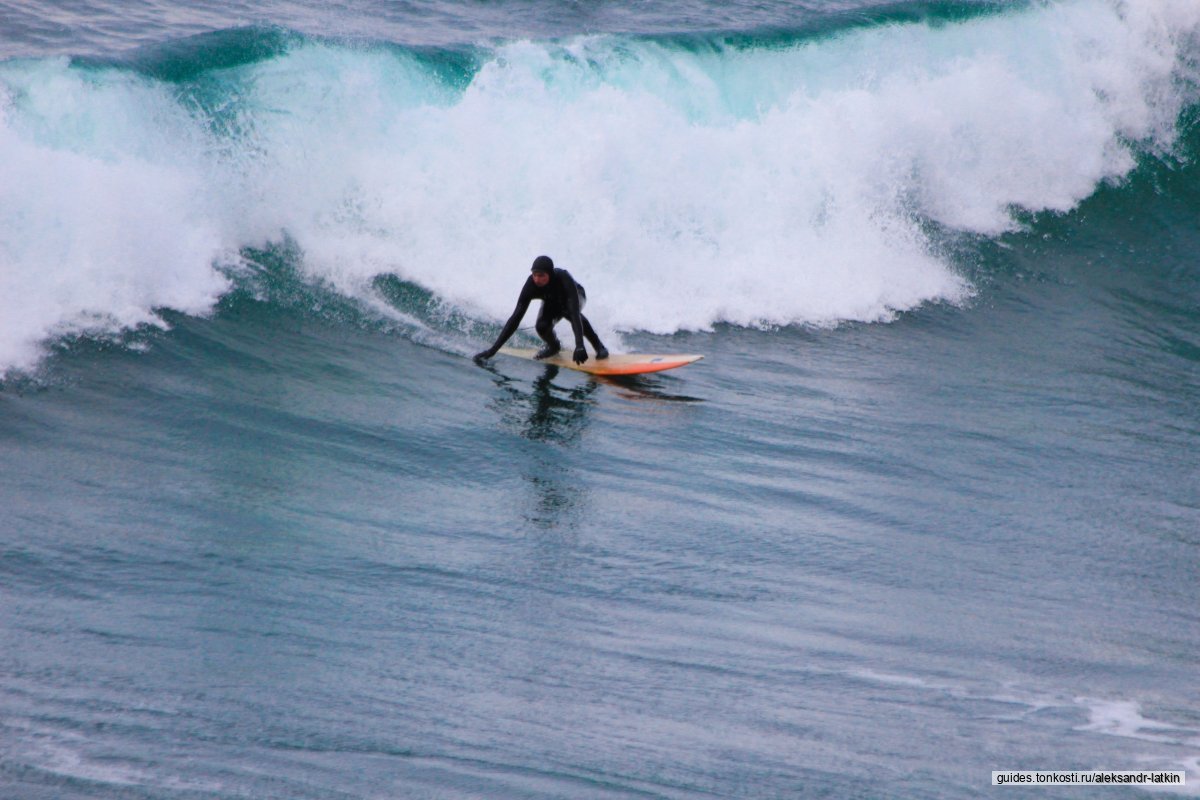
{"x":928,"y":508}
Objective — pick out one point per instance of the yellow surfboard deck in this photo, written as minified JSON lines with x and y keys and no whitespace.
{"x":615,"y":364}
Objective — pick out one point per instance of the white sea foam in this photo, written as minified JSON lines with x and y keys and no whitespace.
{"x":684,"y":188}
{"x":1127,"y":719}
{"x":102,"y":220}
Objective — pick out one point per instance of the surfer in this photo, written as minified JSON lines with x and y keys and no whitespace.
{"x":561,"y":298}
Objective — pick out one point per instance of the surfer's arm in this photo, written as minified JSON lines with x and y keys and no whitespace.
{"x":510,"y":327}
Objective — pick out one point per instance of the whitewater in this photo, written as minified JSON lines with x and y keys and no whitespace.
{"x":807,"y":180}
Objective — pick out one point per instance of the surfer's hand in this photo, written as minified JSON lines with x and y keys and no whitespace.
{"x":483,"y":355}
{"x":580,"y":355}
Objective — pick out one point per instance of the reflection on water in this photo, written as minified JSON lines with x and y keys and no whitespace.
{"x":546,"y":414}
{"x":643,"y":387}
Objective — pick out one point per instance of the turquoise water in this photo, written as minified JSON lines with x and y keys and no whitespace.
{"x":927,"y":509}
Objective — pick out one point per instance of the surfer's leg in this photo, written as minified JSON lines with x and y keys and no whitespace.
{"x":589,"y":333}
{"x":545,"y":329}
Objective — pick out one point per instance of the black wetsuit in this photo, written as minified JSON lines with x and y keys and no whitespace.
{"x":562,"y":298}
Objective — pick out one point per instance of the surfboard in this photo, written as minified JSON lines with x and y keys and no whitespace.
{"x":615,"y":364}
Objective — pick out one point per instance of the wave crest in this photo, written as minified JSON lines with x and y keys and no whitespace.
{"x":789,"y":183}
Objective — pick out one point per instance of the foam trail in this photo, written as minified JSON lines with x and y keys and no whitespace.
{"x":685,"y":186}
{"x":1125,"y":718}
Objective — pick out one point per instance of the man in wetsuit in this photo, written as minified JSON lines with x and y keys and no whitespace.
{"x":561,"y":298}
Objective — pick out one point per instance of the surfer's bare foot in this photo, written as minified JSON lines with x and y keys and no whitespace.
{"x":601,"y":353}
{"x":547,"y":351}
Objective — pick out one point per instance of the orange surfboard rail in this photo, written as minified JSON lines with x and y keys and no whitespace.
{"x":615,"y":364}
